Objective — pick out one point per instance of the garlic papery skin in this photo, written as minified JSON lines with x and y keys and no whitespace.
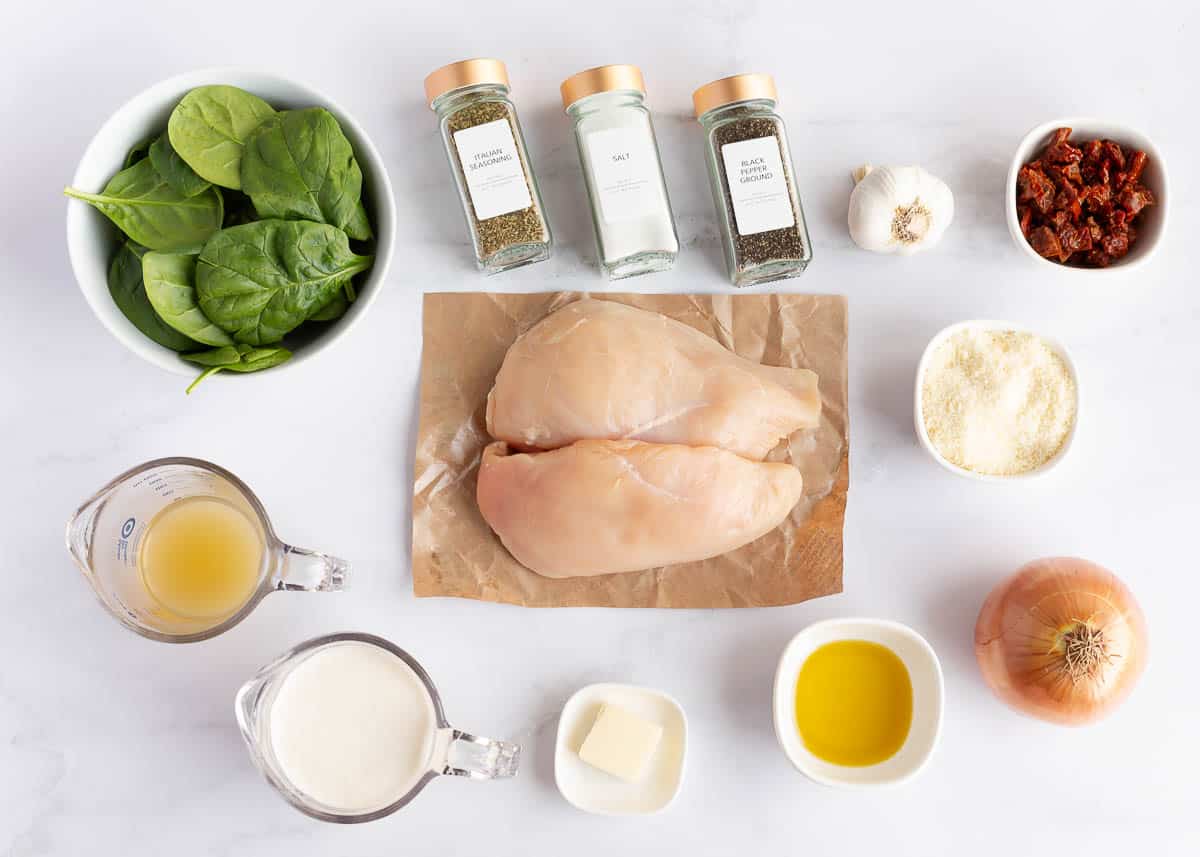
{"x":898,"y":209}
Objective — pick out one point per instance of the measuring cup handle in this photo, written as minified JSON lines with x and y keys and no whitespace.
{"x":310,"y":571}
{"x":480,"y":758}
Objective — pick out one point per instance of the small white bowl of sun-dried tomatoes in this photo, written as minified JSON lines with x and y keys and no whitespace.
{"x":1088,"y":195}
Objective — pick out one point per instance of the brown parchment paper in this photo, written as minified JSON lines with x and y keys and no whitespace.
{"x":456,"y":554}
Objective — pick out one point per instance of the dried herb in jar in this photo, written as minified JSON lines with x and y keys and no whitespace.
{"x":775,"y":244}
{"x":524,"y":226}
{"x":496,"y":185}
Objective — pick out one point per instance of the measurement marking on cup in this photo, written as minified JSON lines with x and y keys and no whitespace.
{"x":123,"y":542}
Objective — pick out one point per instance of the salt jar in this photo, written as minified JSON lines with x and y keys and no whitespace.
{"x":635,"y":230}
{"x":487,"y":155}
{"x":750,"y":168}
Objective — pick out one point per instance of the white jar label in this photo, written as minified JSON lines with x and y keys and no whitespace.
{"x":754,"y":170}
{"x":625,"y":173}
{"x":495,"y":179}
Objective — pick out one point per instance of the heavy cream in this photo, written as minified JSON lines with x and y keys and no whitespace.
{"x":352,"y":727}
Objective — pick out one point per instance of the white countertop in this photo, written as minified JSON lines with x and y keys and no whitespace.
{"x":111,"y":744}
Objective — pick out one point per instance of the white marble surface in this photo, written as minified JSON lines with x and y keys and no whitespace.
{"x":110,"y":744}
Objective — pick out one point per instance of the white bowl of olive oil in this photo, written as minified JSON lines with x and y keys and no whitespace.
{"x":858,"y":702}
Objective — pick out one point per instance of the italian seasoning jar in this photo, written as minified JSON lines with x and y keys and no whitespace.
{"x":490,"y":164}
{"x":750,"y":167}
{"x":635,"y":230}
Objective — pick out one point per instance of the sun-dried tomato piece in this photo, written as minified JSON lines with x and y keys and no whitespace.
{"x":1115,"y":244}
{"x":1114,"y":153}
{"x":1134,"y":198}
{"x":1074,"y":240}
{"x":1025,"y":213}
{"x":1036,"y":187}
{"x":1098,"y":259}
{"x":1095,"y":197}
{"x":1137,"y":163}
{"x":1063,"y":153}
{"x":1066,"y":174}
{"x":1045,"y":243}
{"x":1094,"y":230}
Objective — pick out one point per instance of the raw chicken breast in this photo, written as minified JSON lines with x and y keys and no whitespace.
{"x":603,"y":506}
{"x":599,"y":369}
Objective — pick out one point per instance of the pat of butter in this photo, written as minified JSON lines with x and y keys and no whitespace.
{"x":620,"y":743}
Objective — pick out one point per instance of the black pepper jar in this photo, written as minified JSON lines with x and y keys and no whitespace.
{"x":750,"y":167}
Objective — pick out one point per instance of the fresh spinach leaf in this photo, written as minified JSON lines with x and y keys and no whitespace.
{"x":149,"y":211}
{"x":174,"y":169}
{"x":333,"y":310}
{"x":170,"y":280}
{"x":129,"y":294}
{"x":137,"y":153}
{"x":209,"y":127}
{"x":298,"y":165}
{"x":359,"y":225}
{"x":259,"y":281}
{"x":236,"y":358}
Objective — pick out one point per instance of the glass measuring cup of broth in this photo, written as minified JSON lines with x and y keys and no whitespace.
{"x":349,"y":728}
{"x":180,"y":550}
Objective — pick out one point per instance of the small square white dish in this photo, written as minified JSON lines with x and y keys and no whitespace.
{"x":919,"y":417}
{"x":595,"y":791}
{"x":924,"y":671}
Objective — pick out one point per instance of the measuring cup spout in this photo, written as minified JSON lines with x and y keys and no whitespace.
{"x":310,"y":571}
{"x":80,"y":531}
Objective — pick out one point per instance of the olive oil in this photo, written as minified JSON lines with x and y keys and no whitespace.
{"x":853,"y":703}
{"x":200,"y":558}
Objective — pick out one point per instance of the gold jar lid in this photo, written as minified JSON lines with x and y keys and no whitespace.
{"x":729,"y":90}
{"x":605,"y":78}
{"x":456,"y":75}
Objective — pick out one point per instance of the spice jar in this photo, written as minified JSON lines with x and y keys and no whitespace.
{"x":490,"y":164}
{"x":750,"y":167}
{"x":635,"y":230}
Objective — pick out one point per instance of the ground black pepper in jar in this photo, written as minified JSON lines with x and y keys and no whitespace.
{"x":750,"y":167}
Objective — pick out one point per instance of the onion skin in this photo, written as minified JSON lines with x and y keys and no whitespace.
{"x":1027,"y":621}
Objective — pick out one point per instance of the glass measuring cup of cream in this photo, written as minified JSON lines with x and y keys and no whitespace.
{"x":349,"y":728}
{"x":180,"y":550}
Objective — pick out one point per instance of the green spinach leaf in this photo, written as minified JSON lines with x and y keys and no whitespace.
{"x":148,"y":210}
{"x":209,"y":127}
{"x":236,"y":358}
{"x":170,"y":280}
{"x":129,"y":294}
{"x":137,"y":153}
{"x":359,"y":226}
{"x":298,"y":165}
{"x":335,"y":309}
{"x":174,"y":169}
{"x":259,"y":281}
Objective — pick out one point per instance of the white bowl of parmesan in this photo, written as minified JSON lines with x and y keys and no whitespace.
{"x":996,"y":401}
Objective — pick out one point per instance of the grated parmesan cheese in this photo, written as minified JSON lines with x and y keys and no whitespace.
{"x":997,"y":402}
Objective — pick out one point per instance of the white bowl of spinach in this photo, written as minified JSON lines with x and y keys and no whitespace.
{"x":230,"y":221}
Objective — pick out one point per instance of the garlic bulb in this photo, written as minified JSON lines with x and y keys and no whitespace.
{"x":898,"y":209}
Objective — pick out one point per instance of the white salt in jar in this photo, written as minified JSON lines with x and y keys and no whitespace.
{"x":635,"y":230}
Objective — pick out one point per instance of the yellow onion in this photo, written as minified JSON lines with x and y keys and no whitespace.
{"x":1061,"y":639}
